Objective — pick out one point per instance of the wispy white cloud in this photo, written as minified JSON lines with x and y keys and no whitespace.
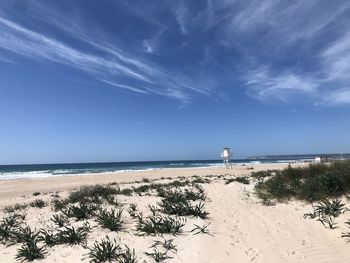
{"x":26,"y":42}
{"x":336,"y":59}
{"x":2,"y":59}
{"x":182,"y":16}
{"x":152,"y":43}
{"x":123,"y":86}
{"x":336,"y":97}
{"x":265,"y":85}
{"x":23,"y":41}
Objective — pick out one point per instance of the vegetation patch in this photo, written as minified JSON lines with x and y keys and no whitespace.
{"x":201,"y":229}
{"x":60,"y":220}
{"x":112,"y":220}
{"x":177,"y":202}
{"x":73,"y":236}
{"x":315,"y":182}
{"x":38,"y":203}
{"x":326,"y":211}
{"x":108,"y":250}
{"x":158,"y":225}
{"x":239,"y":179}
{"x":80,"y":211}
{"x":15,"y":207}
{"x":30,"y":251}
{"x":91,"y":194}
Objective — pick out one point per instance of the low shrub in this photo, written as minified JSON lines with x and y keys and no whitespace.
{"x":239,"y":179}
{"x":132,"y":210}
{"x":178,"y":203}
{"x":73,"y":236}
{"x":158,"y":225}
{"x":108,"y":250}
{"x":80,"y":211}
{"x":112,"y":220}
{"x":91,"y":194}
{"x":105,"y":250}
{"x":165,"y":244}
{"x":8,"y":227}
{"x":15,"y":207}
{"x":312,"y":183}
{"x":48,"y":237}
{"x":38,"y":203}
{"x":30,"y":251}
{"x":326,"y":211}
{"x":60,"y":220}
{"x":157,"y":255}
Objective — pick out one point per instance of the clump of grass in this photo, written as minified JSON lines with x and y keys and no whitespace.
{"x":326,"y":211}
{"x":60,"y":220}
{"x":48,"y":237}
{"x":80,"y":211}
{"x":59,"y":204}
{"x":201,"y":229}
{"x":157,"y":255}
{"x":112,"y":220}
{"x":113,"y":201}
{"x":128,"y":256}
{"x":91,"y":194}
{"x":30,"y":251}
{"x":73,"y":236}
{"x":146,"y":180}
{"x":239,"y":179}
{"x":260,"y":176}
{"x":24,"y":234}
{"x":8,"y":227}
{"x":36,"y":193}
{"x":154,"y":210}
{"x":195,"y":193}
{"x":199,"y":180}
{"x":105,"y":250}
{"x":14,"y":208}
{"x":347,"y":234}
{"x":132,"y":210}
{"x":178,"y":203}
{"x":108,"y":250}
{"x":125,"y":191}
{"x":38,"y":203}
{"x":157,"y":225}
{"x":166,"y":244}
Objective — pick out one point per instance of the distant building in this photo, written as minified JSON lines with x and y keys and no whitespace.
{"x":323,"y":159}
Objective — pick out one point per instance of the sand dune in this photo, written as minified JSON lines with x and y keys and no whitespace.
{"x":242,"y":229}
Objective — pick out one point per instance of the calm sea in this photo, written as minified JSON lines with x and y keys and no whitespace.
{"x":48,"y":170}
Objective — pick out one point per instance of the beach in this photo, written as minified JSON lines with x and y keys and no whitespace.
{"x":241,"y":228}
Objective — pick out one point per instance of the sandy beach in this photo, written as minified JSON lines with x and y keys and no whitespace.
{"x":241,"y":228}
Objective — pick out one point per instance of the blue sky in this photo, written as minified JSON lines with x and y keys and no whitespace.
{"x":85,"y":80}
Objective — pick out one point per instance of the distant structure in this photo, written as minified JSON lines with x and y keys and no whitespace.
{"x":324,"y":159}
{"x":226,"y":155}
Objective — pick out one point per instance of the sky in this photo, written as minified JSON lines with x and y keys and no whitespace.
{"x":95,"y":81}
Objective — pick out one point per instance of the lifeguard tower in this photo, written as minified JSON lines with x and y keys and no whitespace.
{"x":226,"y":155}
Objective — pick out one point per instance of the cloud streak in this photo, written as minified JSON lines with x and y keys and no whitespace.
{"x":28,"y":43}
{"x":188,"y":51}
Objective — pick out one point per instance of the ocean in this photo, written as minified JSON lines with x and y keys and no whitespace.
{"x":69,"y":169}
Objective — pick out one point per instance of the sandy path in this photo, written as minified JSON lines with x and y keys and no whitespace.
{"x":246,"y":231}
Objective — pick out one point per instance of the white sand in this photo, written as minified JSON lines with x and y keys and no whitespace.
{"x":243,"y":229}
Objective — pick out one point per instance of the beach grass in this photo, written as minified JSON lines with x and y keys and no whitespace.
{"x":311,"y":183}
